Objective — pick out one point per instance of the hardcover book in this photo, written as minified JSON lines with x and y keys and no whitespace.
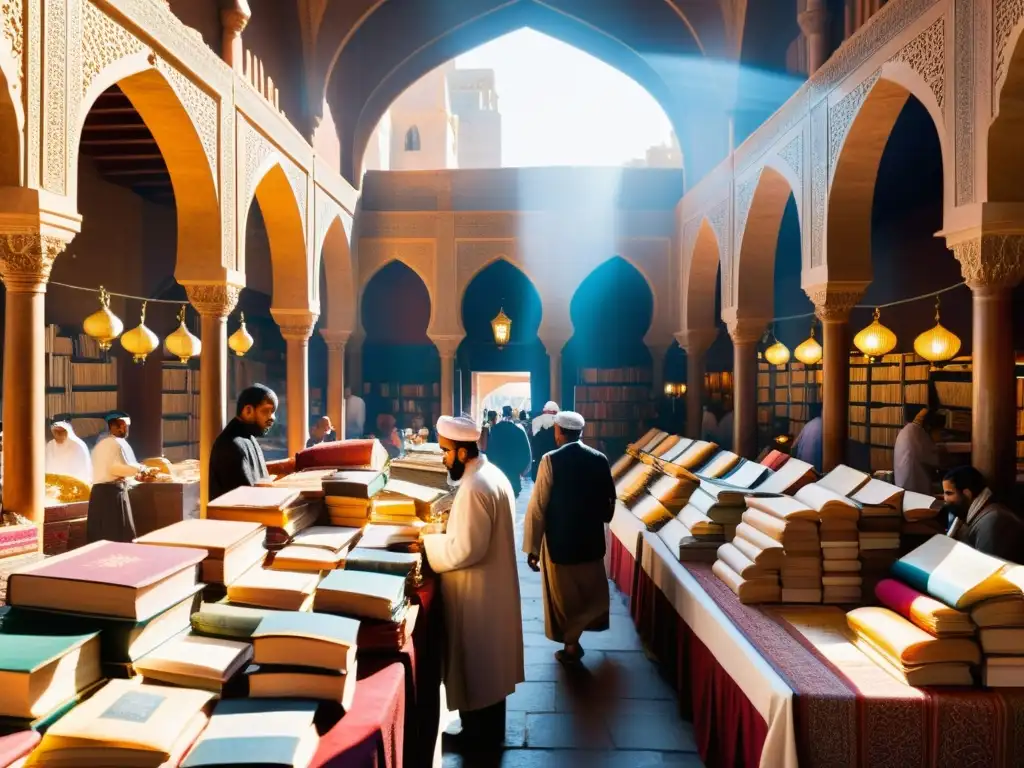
{"x":40,"y":671}
{"x":318,"y":640}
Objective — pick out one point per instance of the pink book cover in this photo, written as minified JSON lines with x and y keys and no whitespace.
{"x":109,"y":562}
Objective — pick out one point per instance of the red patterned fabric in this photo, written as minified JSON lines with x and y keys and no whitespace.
{"x":621,"y":566}
{"x":370,"y":735}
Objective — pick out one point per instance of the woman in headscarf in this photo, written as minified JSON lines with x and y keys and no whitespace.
{"x":66,"y":454}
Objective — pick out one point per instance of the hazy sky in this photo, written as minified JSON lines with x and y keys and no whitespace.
{"x":561,"y":106}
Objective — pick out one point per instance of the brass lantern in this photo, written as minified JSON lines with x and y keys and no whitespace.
{"x":777,"y":354}
{"x":670,"y":389}
{"x":140,"y":341}
{"x":808,"y":351}
{"x":103,"y":325}
{"x":241,"y":341}
{"x":938,"y":344}
{"x":875,"y":340}
{"x":182,"y":343}
{"x":501,"y":327}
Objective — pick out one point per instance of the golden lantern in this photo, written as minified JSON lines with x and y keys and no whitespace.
{"x":241,"y":341}
{"x":103,"y":325}
{"x":938,"y":344}
{"x":809,"y":351}
{"x":670,"y":390}
{"x":140,"y":341}
{"x":501,"y":327}
{"x":875,"y":340}
{"x":182,"y":343}
{"x":777,"y":354}
{"x":680,"y":389}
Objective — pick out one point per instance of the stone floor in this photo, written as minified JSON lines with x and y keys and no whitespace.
{"x":616,"y":713}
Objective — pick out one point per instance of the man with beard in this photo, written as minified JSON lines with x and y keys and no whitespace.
{"x":979,"y":519}
{"x":236,"y":458}
{"x":476,"y":560}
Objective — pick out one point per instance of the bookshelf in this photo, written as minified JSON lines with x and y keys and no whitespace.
{"x":785,"y":392}
{"x":81,"y":384}
{"x":616,"y":404}
{"x":404,"y":400}
{"x":179,"y":407}
{"x":718,"y":388}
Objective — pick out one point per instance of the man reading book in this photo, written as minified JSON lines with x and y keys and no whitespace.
{"x":564,"y":536}
{"x":237,"y":458}
{"x":476,"y":560}
{"x":980,"y":520}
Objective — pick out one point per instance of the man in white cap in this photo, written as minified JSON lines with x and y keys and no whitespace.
{"x":114,"y":466}
{"x":476,"y":559}
{"x":564,"y":536}
{"x":543,"y":439}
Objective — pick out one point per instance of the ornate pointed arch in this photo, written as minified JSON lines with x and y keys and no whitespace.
{"x":417,"y":255}
{"x":336,"y":261}
{"x":701,"y":259}
{"x":1005,"y":148}
{"x":12,"y":121}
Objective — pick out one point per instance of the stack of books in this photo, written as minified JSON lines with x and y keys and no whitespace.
{"x":430,"y":503}
{"x":991,"y":589}
{"x":349,"y":496}
{"x":648,"y":442}
{"x":126,"y":723}
{"x":304,"y":655}
{"x":232,"y":547}
{"x":390,"y":536}
{"x":257,"y":732}
{"x":421,"y":469}
{"x":791,"y":524}
{"x":881,"y":521}
{"x":838,"y":516}
{"x":789,"y":478}
{"x":282,"y":510}
{"x":685,"y":546}
{"x":378,"y":600}
{"x":320,"y":548}
{"x":408,"y":565}
{"x":631,"y":487}
{"x":908,"y":652}
{"x":393,"y":509}
{"x":267,"y":588}
{"x":672,"y":492}
{"x":194,"y":661}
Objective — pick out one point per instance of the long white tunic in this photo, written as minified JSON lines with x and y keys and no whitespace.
{"x":69,"y":458}
{"x":113,"y":459}
{"x":476,"y":560}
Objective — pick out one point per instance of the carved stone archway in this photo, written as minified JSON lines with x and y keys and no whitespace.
{"x":1006,"y":135}
{"x":701,"y":257}
{"x":11,"y":121}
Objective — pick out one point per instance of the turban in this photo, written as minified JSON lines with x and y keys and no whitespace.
{"x":550,"y":407}
{"x":460,"y":429}
{"x":570,"y":420}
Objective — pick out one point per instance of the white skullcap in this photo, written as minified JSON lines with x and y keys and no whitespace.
{"x":570,"y":420}
{"x":461,"y":429}
{"x":550,"y":407}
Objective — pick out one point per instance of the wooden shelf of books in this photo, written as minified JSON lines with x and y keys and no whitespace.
{"x":878,"y":393}
{"x":718,"y":388}
{"x":81,"y":385}
{"x":179,"y":404}
{"x":616,"y":404}
{"x":270,"y":370}
{"x":405,"y":400}
{"x":784,"y":392}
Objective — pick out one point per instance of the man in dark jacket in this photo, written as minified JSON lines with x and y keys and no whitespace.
{"x":509,"y":448}
{"x":564,"y":536}
{"x":980,"y":521}
{"x":236,"y":458}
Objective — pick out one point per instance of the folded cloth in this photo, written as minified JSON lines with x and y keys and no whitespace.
{"x":926,"y":612}
{"x":906,"y":645}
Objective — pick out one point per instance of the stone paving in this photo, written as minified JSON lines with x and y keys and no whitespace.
{"x":618,"y":712}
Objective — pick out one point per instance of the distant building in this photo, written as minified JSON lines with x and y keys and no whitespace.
{"x":660,"y":156}
{"x":447,"y":119}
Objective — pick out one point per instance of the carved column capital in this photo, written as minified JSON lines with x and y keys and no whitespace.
{"x":697,"y":341}
{"x":834,"y":301}
{"x":335,"y":340}
{"x":26,"y":260}
{"x":991,"y":261}
{"x":235,"y":15}
{"x":213,"y":299}
{"x":447,"y":346}
{"x":744,"y":330}
{"x":295,"y":325}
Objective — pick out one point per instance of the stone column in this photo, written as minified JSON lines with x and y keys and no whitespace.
{"x":832,"y":305}
{"x":745,"y":334}
{"x":234,"y":17}
{"x":296,"y":328}
{"x":696,"y":344}
{"x":658,"y":351}
{"x":336,"y":377}
{"x":214,"y":302}
{"x":992,"y":265}
{"x":354,"y":361}
{"x":447,"y":346}
{"x":813,"y":22}
{"x":554,"y":347}
{"x":25,"y":262}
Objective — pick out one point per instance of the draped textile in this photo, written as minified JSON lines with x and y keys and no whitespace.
{"x":70,"y":457}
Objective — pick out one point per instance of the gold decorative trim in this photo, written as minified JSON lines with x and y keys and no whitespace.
{"x":213,"y":299}
{"x":991,"y":261}
{"x":26,"y":261}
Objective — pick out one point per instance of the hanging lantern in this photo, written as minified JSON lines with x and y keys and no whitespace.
{"x":140,"y":341}
{"x":680,"y":390}
{"x":777,"y":354}
{"x":103,"y":325}
{"x":182,"y":343}
{"x":808,"y":352}
{"x":501,"y":326}
{"x":938,"y":344}
{"x":875,"y":340}
{"x":670,"y":390}
{"x":241,"y":341}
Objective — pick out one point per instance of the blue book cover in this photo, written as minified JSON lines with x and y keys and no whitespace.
{"x":253,"y":732}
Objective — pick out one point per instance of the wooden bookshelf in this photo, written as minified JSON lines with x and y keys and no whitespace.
{"x":718,"y":388}
{"x":179,"y":407}
{"x":81,"y":383}
{"x":785,"y":393}
{"x":404,"y":400}
{"x":616,"y":404}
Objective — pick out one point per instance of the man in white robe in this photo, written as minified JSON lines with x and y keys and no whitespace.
{"x":476,"y":560}
{"x":67,"y":454}
{"x":113,"y":467}
{"x":915,"y":456}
